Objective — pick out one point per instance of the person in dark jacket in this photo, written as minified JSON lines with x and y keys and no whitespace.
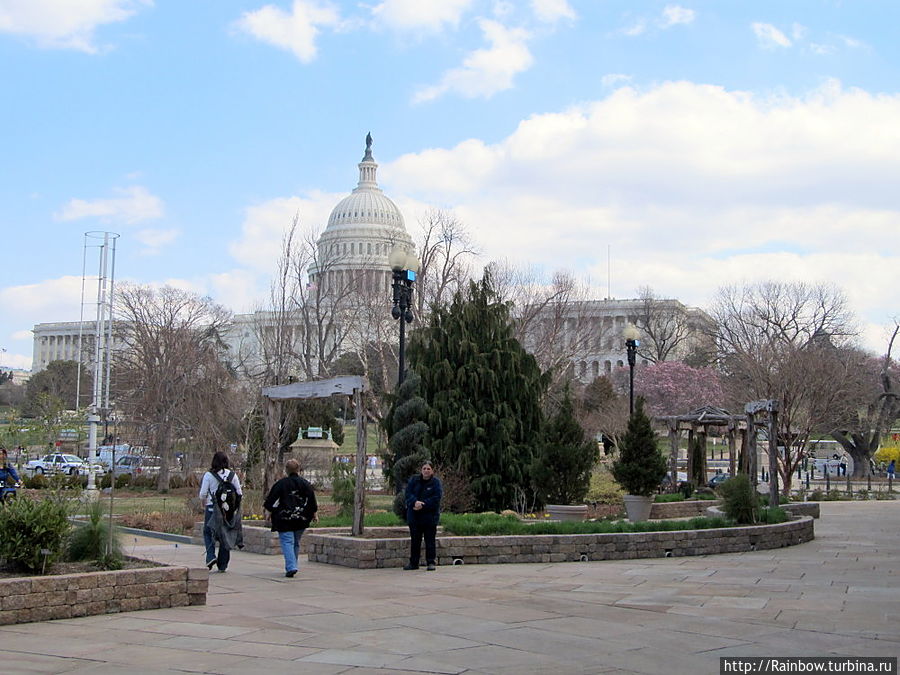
{"x":292,"y":504}
{"x":423,"y":513}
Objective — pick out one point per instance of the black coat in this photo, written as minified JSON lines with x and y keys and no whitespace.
{"x":428,"y":491}
{"x":281,"y":488}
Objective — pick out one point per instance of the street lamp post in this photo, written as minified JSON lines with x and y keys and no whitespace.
{"x":404,"y":267}
{"x":631,"y":336}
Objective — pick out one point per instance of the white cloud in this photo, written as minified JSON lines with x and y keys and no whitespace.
{"x":552,"y":11}
{"x":639,"y":27}
{"x":134,"y":206}
{"x":414,"y":15}
{"x":612,"y":79}
{"x":486,"y":71}
{"x":296,"y":32}
{"x":155,"y":240}
{"x":692,"y":186}
{"x":798,"y":32}
{"x":674,"y":15}
{"x":64,"y":24}
{"x":264,"y":224}
{"x":770,"y":37}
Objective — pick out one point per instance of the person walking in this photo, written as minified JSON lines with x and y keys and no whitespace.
{"x":292,"y":505}
{"x":423,"y":513}
{"x":892,"y":467}
{"x":221,"y":492}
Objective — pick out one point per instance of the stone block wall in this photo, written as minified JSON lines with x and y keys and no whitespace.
{"x":347,"y":551}
{"x":26,"y":599}
{"x":683,"y":509}
{"x":259,"y":538}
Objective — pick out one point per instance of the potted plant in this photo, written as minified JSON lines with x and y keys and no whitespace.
{"x":640,"y":466}
{"x":561,"y":471}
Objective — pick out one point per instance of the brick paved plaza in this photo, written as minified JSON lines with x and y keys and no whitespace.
{"x":838,"y":595}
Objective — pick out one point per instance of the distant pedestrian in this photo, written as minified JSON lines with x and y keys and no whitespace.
{"x":423,"y":513}
{"x":292,"y":503}
{"x":221,"y":492}
{"x":891,"y":468}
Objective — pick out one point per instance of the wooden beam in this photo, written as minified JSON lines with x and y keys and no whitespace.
{"x":359,"y":496}
{"x":318,"y":388}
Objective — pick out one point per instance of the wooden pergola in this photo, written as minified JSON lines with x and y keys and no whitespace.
{"x":353,"y":386}
{"x":698,"y":422}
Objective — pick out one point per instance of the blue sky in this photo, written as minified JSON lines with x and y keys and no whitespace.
{"x":701,"y":143}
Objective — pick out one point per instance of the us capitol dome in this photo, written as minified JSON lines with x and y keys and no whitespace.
{"x":361,"y":231}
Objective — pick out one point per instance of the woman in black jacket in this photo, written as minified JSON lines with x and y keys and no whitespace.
{"x":423,"y":513}
{"x":292,"y":504}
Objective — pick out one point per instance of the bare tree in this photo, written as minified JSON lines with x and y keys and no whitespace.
{"x":665,"y":327}
{"x":871,"y":407}
{"x":446,"y":252}
{"x":171,"y":366}
{"x":778,"y":341}
{"x":554,"y":320}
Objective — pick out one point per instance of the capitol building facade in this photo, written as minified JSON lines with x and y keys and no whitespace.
{"x":352,"y":255}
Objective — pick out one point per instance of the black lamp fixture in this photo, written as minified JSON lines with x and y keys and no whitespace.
{"x":404,"y":266}
{"x":631,"y":335}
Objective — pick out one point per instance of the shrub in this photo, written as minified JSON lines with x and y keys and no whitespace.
{"x":773,"y":515}
{"x":94,"y":541}
{"x":686,"y":489}
{"x":36,"y":482}
{"x":29,"y":526}
{"x":739,"y":500}
{"x":816,"y":496}
{"x":343,"y":487}
{"x":176,"y":482}
{"x":640,"y":466}
{"x":603,"y":488}
{"x":141,"y":481}
{"x":458,"y":496}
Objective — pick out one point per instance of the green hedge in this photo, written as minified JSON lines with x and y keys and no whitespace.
{"x":29,"y":526}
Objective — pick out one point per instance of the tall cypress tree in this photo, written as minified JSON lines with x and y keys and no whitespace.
{"x":483,"y":391}
{"x":406,"y":429}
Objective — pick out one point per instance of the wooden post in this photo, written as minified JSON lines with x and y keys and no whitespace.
{"x":690,"y":457}
{"x":270,"y":442}
{"x":732,"y":447}
{"x":673,"y":458}
{"x":751,"y":449}
{"x":773,"y":457}
{"x":359,"y":497}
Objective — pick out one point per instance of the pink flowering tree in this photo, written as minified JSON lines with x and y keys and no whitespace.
{"x":674,"y":388}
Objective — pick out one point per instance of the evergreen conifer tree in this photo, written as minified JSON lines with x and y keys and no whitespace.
{"x":640,"y":465}
{"x":483,"y":391}
{"x":561,"y":472}
{"x":406,"y":429}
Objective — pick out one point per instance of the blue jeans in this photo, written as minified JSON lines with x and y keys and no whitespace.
{"x":290,"y":548}
{"x":209,"y":538}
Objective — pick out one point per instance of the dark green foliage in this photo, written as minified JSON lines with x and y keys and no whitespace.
{"x":343,"y":487}
{"x":739,"y":500}
{"x":483,"y":391}
{"x":28,"y":526}
{"x":57,"y":382}
{"x":36,"y":482}
{"x":92,"y":540}
{"x":686,"y":489}
{"x":640,"y":466}
{"x":772,"y":516}
{"x":371,"y":520}
{"x":406,"y":429}
{"x":561,"y":471}
{"x":678,"y":497}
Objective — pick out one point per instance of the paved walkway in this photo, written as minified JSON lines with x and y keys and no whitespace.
{"x":837,"y":595}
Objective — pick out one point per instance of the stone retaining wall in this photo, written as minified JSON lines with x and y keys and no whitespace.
{"x":347,"y":551}
{"x":802,"y":508}
{"x":684,"y":509}
{"x":25,"y":599}
{"x":259,"y":538}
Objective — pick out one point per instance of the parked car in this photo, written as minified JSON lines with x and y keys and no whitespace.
{"x":57,"y":462}
{"x":666,"y":482}
{"x":717,"y":480}
{"x":136,"y":465}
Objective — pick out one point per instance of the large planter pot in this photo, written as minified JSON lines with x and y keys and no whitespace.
{"x":637,"y":507}
{"x":563,"y":512}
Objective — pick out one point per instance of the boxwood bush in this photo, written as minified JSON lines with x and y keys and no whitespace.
{"x":30,"y":526}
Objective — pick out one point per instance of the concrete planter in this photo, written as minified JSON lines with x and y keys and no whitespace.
{"x":566,"y":512}
{"x":637,"y":507}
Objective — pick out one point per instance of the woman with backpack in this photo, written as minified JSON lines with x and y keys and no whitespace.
{"x":221,"y":492}
{"x":292,"y":503}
